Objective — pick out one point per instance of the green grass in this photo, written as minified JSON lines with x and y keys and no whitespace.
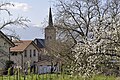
{"x":55,"y":77}
{"x":101,"y":77}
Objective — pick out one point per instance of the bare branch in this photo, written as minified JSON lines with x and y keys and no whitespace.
{"x":19,"y":21}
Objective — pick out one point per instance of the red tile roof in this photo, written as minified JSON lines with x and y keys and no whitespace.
{"x":21,"y":45}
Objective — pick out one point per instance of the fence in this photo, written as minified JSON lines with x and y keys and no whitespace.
{"x":19,"y":75}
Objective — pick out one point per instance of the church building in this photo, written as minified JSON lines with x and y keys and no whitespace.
{"x":50,"y":33}
{"x":46,"y":59}
{"x":47,"y":44}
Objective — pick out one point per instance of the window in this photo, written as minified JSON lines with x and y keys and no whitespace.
{"x":47,"y":37}
{"x":14,"y":54}
{"x":4,"y":44}
{"x":25,"y":55}
{"x":34,"y":54}
{"x":30,"y":53}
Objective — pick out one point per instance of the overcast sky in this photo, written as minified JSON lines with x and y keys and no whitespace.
{"x":35,"y":10}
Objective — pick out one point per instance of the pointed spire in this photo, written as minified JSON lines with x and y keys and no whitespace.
{"x":50,"y":18}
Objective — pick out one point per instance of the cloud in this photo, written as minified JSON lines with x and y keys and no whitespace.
{"x":18,"y":6}
{"x":36,"y":25}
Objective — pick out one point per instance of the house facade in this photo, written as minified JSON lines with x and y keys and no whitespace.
{"x":5,"y":45}
{"x":25,"y":53}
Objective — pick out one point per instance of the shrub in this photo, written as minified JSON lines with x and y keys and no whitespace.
{"x":8,"y":65}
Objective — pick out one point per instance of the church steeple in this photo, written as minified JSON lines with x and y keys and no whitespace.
{"x":50,"y":18}
{"x":50,"y":33}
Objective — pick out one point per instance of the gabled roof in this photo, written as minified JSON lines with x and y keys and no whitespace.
{"x":49,"y":58}
{"x":40,"y":43}
{"x":7,"y":39}
{"x":22,"y":45}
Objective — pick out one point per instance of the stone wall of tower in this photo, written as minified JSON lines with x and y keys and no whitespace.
{"x":50,"y":37}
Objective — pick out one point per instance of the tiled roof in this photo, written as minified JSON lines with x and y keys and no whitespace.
{"x":20,"y":45}
{"x":40,"y":43}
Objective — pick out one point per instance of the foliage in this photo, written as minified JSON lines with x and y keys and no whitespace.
{"x":8,"y":68}
{"x":92,"y":26}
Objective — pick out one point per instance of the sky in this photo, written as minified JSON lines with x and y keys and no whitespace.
{"x":35,"y":10}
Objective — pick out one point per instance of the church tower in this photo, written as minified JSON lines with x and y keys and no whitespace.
{"x":50,"y":33}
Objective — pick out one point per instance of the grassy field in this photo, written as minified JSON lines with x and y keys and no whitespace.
{"x":55,"y":77}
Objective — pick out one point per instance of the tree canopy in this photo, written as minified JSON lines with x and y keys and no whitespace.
{"x":93,"y":26}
